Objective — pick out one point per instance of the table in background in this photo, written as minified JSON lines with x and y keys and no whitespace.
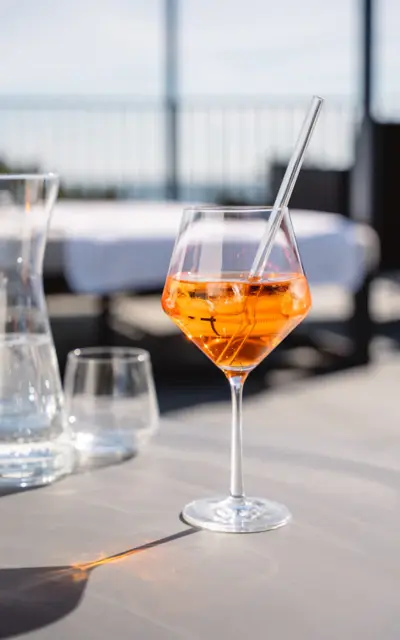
{"x":110,"y":247}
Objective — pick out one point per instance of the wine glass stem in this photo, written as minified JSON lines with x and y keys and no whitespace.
{"x":236,"y":384}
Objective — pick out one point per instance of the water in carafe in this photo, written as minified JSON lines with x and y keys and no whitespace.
{"x":34,"y":439}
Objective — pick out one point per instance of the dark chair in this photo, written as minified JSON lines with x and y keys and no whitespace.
{"x":374,"y":187}
{"x":329,"y":190}
{"x":316,"y":189}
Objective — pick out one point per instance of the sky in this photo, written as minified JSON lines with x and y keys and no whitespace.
{"x":229,"y":50}
{"x":227,"y":47}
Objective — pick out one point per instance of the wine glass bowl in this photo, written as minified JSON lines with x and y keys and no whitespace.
{"x":236,"y":319}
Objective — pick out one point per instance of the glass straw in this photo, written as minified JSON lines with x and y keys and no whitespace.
{"x":286,"y":188}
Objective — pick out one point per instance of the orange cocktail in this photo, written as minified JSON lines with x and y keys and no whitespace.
{"x":237,"y":322}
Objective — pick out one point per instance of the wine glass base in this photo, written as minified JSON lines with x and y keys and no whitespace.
{"x":236,"y":515}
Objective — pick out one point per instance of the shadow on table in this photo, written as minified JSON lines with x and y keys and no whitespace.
{"x":34,"y":597}
{"x":191,"y":390}
{"x":186,"y":378}
{"x":326,"y":352}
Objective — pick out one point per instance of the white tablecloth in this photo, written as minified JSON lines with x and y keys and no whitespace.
{"x":126,"y":245}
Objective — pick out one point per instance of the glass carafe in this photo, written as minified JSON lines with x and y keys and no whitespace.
{"x":34,"y":439}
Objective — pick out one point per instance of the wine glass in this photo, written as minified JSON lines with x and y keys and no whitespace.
{"x":236,"y":319}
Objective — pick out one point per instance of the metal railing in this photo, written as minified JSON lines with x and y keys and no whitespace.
{"x":223,"y":145}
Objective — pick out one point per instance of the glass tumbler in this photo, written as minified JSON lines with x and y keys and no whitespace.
{"x":111,"y":403}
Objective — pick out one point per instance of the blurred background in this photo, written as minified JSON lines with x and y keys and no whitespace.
{"x":166,"y":102}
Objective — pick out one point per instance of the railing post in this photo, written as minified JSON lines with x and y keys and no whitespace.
{"x":171,"y":100}
{"x":367,"y":56}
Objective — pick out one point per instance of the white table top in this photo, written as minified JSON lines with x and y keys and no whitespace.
{"x":110,"y":246}
{"x":332,"y":573}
